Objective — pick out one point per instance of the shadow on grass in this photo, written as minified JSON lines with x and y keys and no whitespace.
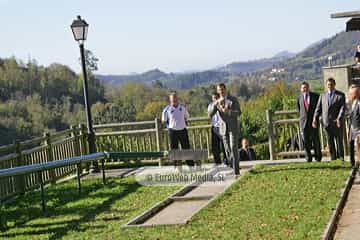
{"x":299,"y":167}
{"x":60,"y":196}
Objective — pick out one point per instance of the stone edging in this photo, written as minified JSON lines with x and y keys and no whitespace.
{"x":331,"y":227}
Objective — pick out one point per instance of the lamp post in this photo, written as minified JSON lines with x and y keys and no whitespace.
{"x":79,"y":29}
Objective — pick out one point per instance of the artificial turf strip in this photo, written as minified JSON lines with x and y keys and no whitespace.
{"x":292,"y":201}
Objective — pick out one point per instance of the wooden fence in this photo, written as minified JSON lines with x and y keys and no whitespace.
{"x":148,"y":136}
{"x":47,"y":148}
{"x":285,"y":140}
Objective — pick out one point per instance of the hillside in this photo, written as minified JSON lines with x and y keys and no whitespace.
{"x":308,"y":63}
{"x":188,"y":80}
{"x":288,"y":66}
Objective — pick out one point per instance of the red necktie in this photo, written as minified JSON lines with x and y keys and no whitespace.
{"x":306,"y":103}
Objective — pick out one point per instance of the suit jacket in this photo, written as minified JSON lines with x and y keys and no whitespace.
{"x":230,"y":117}
{"x":332,"y":112}
{"x":307,"y":115}
{"x":355,"y":120}
{"x":247,"y":155}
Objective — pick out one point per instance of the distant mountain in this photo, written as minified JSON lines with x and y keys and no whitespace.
{"x":308,"y":64}
{"x":285,"y":65}
{"x":146,"y":77}
{"x":284,"y":55}
{"x":188,"y":79}
{"x":255,"y":65}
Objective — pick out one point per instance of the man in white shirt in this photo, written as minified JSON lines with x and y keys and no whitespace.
{"x":216,"y":136}
{"x":175,"y":115}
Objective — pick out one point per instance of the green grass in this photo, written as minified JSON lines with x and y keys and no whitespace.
{"x":292,"y":201}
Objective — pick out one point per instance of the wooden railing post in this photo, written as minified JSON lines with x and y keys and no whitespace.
{"x":83,"y":144}
{"x":76,"y":141}
{"x":158,"y":138}
{"x":269,"y":120}
{"x":77,"y":151}
{"x":49,"y":155}
{"x":19,"y":180}
{"x":82,"y":139}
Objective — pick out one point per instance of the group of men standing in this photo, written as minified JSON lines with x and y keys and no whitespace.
{"x":224,"y":112}
{"x":331,"y":107}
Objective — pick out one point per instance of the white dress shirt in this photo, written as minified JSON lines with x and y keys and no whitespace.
{"x":215,"y":120}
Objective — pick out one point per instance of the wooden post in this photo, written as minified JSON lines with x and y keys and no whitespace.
{"x":49,"y":156}
{"x":76,"y":142}
{"x":83,"y":143}
{"x":269,"y":119}
{"x":19,"y":180}
{"x":82,"y":139}
{"x":158,"y":138}
{"x":77,"y":147}
{"x":2,"y":217}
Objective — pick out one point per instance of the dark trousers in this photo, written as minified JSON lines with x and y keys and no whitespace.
{"x":232,"y":150}
{"x":217,"y":145}
{"x":311,"y":140}
{"x":335,"y":142}
{"x":180,"y":136}
{"x":352,"y":152}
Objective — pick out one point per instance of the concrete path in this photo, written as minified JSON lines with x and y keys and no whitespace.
{"x":179,"y":208}
{"x":349,"y":224}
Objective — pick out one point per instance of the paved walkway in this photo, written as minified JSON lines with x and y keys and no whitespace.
{"x":349,"y":224}
{"x":180,"y":208}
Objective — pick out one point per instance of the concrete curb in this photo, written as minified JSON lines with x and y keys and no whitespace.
{"x":143,"y":217}
{"x":331,"y":227}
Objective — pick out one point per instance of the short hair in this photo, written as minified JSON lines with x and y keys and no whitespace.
{"x":331,"y":80}
{"x":245,"y":139}
{"x":305,"y":83}
{"x":173,"y":93}
{"x":222,"y":85}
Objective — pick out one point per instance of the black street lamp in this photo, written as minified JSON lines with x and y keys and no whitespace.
{"x":79,"y":28}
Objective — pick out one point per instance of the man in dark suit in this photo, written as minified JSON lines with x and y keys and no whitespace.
{"x":228,"y":108}
{"x":306,"y":105}
{"x":246,"y":153}
{"x":331,"y":106}
{"x":354,"y":97}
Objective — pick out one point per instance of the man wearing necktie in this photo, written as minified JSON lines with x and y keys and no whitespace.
{"x":331,"y":107}
{"x":354,"y":97}
{"x":306,"y":105}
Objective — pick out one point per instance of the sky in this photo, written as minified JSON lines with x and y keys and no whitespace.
{"x":173,"y":35}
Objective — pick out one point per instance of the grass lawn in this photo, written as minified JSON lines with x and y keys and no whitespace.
{"x":292,"y":201}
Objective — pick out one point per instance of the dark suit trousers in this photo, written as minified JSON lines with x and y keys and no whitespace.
{"x":217,"y":145}
{"x":231,"y":149}
{"x":335,"y":142}
{"x":311,"y":140}
{"x":352,"y":152}
{"x":180,"y":136}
